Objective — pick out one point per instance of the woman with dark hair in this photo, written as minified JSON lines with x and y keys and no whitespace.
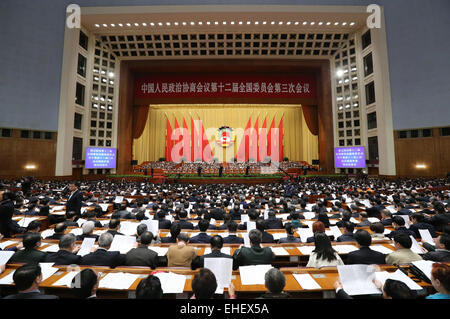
{"x":323,"y":217}
{"x":84,"y":284}
{"x":323,"y":255}
{"x":317,"y":227}
{"x":290,"y":235}
{"x":149,"y":288}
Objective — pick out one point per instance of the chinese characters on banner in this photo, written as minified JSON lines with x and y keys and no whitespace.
{"x":351,"y":157}
{"x":226,"y":86}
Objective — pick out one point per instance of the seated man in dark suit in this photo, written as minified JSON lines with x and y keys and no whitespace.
{"x":123,"y":213}
{"x":402,"y":210}
{"x":253,"y":216}
{"x":207,"y":217}
{"x":346,"y":215}
{"x":348,"y":234}
{"x":27,"y":279}
{"x":67,"y":254}
{"x":226,"y":220}
{"x":290,"y":235}
{"x":364,"y":221}
{"x":216,"y":245}
{"x":59,"y":231}
{"x":70,"y":219}
{"x":256,"y":255}
{"x":266,"y":237}
{"x":232,"y":238}
{"x":114,"y":227}
{"x":201,"y":238}
{"x":184,"y":224}
{"x":272,"y":222}
{"x":84,"y":284}
{"x":175,"y":230}
{"x":417,"y":221}
{"x":399,"y":226}
{"x":30,"y":253}
{"x":162,"y":221}
{"x":142,"y":255}
{"x":33,"y":227}
{"x":88,"y":231}
{"x":103,"y":257}
{"x":386,"y":217}
{"x":442,"y":251}
{"x":91,"y":216}
{"x":364,"y":255}
{"x":392,"y":289}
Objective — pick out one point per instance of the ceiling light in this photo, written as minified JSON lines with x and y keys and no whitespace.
{"x":344,"y":23}
{"x":347,"y":106}
{"x":339,"y":73}
{"x":184,"y":23}
{"x":312,"y":23}
{"x":352,"y":23}
{"x":304,"y":23}
{"x":421,"y":166}
{"x":288,"y":23}
{"x":296,"y":23}
{"x":200,"y":23}
{"x":264,"y":22}
{"x":152,"y":24}
{"x":120,"y":25}
{"x":111,"y":74}
{"x":216,"y":22}
{"x":97,"y":25}
{"x":105,"y":25}
{"x":240,"y":22}
{"x":256,"y":22}
{"x":30,"y":166}
{"x":248,"y":22}
{"x":175,"y":23}
{"x":168,"y":24}
{"x":113,"y":25}
{"x":320,"y":23}
{"x":224,"y":22}
{"x":128,"y":24}
{"x":280,"y":23}
{"x":144,"y":24}
{"x":336,"y":23}
{"x":136,"y":24}
{"x":232,"y":22}
{"x":160,"y":24}
{"x":273,"y":22}
{"x":328,"y":23}
{"x":208,"y":23}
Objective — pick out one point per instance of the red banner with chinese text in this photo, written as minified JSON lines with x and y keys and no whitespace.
{"x":234,"y":85}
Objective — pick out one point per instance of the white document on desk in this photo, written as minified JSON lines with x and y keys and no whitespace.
{"x":280,"y":251}
{"x":8,"y":279}
{"x":373,"y":219}
{"x":76,"y":231}
{"x":246,"y":240}
{"x":306,"y":250}
{"x":51,"y":249}
{"x":336,"y":232}
{"x":7,"y":243}
{"x":224,"y":250}
{"x":344,"y":249}
{"x":104,"y":207}
{"x":152,"y":226}
{"x":122,"y":243}
{"x":47,"y":233}
{"x":161,"y":251}
{"x":306,"y":281}
{"x":81,"y":221}
{"x":253,"y":275}
{"x":171,"y":283}
{"x":382,"y":249}
{"x":425,"y":266}
{"x":305,"y":233}
{"x":415,"y":246}
{"x":66,"y":280}
{"x":406,"y":219}
{"x":26,"y":221}
{"x":244,"y":218}
{"x":221,"y":268}
{"x":118,"y":199}
{"x":309,"y":215}
{"x":251,"y":225}
{"x":426,"y":236}
{"x":128,"y":228}
{"x":397,"y":275}
{"x":86,"y":246}
{"x":357,"y":279}
{"x":277,"y":236}
{"x":354,"y":220}
{"x":118,"y":280}
{"x":5,"y":256}
{"x":47,"y":271}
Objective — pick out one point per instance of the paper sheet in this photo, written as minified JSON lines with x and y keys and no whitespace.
{"x":104,"y":207}
{"x":415,"y":246}
{"x":357,"y":279}
{"x":122,"y":243}
{"x":86,"y":246}
{"x":222,"y":268}
{"x":425,"y":265}
{"x":8,"y":279}
{"x":344,"y":249}
{"x":306,"y":281}
{"x":336,"y":232}
{"x":66,"y":280}
{"x":47,"y":271}
{"x":253,"y":275}
{"x":76,"y":231}
{"x":306,"y":250}
{"x":47,"y":233}
{"x":304,"y":233}
{"x":24,"y":222}
{"x":246,"y":240}
{"x":381,"y":249}
{"x":277,"y":236}
{"x":81,"y":221}
{"x":118,"y":280}
{"x":354,"y":220}
{"x":373,"y":219}
{"x":251,"y":225}
{"x":128,"y":228}
{"x":171,"y":283}
{"x":51,"y":249}
{"x":7,"y":243}
{"x":118,"y":199}
{"x":280,"y":251}
{"x":161,"y":251}
{"x":5,"y":256}
{"x":152,"y":226}
{"x":309,"y":215}
{"x":426,"y":236}
{"x":224,"y":250}
{"x":397,"y":275}
{"x":406,"y":219}
{"x":244,"y":218}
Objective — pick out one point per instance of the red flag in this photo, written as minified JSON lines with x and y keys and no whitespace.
{"x":242,"y":155}
{"x":168,"y":141}
{"x":262,"y":154}
{"x":206,"y":148}
{"x":280,"y":139}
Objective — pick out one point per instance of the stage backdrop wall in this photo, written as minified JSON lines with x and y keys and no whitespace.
{"x":299,"y":144}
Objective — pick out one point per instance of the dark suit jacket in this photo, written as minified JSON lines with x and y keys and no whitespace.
{"x":211,"y":226}
{"x":201,"y":238}
{"x":439,"y":221}
{"x":31,"y":295}
{"x":28,"y":256}
{"x":82,"y":237}
{"x":55,"y":236}
{"x":101,"y":257}
{"x":267,"y":238}
{"x":6,"y":213}
{"x":164,"y":223}
{"x":63,"y":257}
{"x":70,"y":223}
{"x":415,"y":228}
{"x":233,"y":239}
{"x":438,"y":255}
{"x":186,"y":225}
{"x":168,"y":240}
{"x":141,"y":256}
{"x":114,"y":232}
{"x":217,"y":214}
{"x":401,"y":230}
{"x":75,"y":202}
{"x":341,"y":294}
{"x":256,"y":255}
{"x":199,"y":262}
{"x":387,"y":222}
{"x":366,"y":256}
{"x":346,"y":237}
{"x":274,"y":223}
{"x":289,"y":239}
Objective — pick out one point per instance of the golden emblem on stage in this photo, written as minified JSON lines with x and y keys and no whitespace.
{"x":225,"y":136}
